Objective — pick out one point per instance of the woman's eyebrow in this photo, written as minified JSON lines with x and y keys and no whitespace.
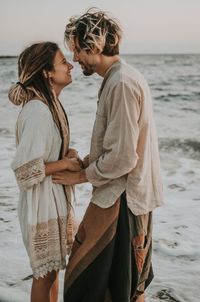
{"x":63,"y":60}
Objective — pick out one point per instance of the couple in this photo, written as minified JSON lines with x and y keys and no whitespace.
{"x":110,"y":253}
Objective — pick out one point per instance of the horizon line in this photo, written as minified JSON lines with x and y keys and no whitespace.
{"x":125,"y":54}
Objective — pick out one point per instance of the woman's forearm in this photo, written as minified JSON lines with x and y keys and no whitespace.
{"x":71,"y":164}
{"x":56,"y":166}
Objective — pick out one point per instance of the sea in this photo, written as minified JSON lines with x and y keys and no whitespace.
{"x":174,"y":80}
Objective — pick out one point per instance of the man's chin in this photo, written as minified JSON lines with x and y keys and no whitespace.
{"x":87,"y":72}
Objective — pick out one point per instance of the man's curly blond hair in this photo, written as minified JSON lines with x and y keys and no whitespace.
{"x":94,"y":30}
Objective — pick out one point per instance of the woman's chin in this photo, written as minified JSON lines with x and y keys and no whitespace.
{"x":69,"y":81}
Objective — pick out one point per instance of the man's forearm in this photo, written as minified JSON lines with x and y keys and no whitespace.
{"x":69,"y":178}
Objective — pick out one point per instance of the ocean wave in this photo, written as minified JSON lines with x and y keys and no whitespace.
{"x":4,"y":90}
{"x":168,"y":97}
{"x":188,"y":147}
{"x":189,"y":109}
{"x":178,"y":96}
{"x":4,"y":131}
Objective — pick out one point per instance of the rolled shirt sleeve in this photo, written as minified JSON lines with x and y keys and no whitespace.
{"x":119,"y":155}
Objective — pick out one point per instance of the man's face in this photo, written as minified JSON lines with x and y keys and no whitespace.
{"x":88,"y":61}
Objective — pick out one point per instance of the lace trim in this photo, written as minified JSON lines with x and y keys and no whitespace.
{"x":48,"y":246}
{"x":30,"y":173}
{"x":48,"y":267}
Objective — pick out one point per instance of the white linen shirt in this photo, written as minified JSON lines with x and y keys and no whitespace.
{"x":124,"y":152}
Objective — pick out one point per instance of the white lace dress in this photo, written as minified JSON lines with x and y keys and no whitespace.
{"x":42,"y":205}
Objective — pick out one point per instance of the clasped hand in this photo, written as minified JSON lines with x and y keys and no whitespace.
{"x":73,"y":161}
{"x":74,"y":165}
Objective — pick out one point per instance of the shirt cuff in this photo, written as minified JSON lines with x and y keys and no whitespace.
{"x":93,"y":177}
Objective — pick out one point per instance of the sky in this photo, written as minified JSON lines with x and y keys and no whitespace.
{"x":149,"y":26}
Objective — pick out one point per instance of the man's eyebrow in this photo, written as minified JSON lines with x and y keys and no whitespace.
{"x":77,"y":48}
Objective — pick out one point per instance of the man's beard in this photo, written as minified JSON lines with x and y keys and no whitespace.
{"x":87,"y":71}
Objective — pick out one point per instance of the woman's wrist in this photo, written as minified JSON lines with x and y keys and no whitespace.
{"x":64,"y":163}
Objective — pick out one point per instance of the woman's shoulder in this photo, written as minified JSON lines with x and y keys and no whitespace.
{"x":36,"y":105}
{"x":35,"y":109}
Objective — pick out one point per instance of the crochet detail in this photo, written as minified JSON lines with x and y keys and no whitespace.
{"x":30,"y":173}
{"x":48,"y":248}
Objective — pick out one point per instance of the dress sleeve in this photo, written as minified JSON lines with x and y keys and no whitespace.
{"x":34,"y":136}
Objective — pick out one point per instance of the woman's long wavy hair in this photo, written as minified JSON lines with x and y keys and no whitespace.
{"x":33,"y":66}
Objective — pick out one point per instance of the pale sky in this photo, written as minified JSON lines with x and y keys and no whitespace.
{"x":150,"y":26}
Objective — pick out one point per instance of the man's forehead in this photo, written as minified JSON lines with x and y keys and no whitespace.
{"x":76,"y":44}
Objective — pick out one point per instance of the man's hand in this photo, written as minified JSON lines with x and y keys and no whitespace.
{"x":72,"y":153}
{"x":69,"y":178}
{"x":86,"y":161}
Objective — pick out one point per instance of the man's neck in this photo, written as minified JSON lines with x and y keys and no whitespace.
{"x":106,"y":63}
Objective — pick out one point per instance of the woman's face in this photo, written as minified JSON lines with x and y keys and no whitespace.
{"x":61,"y":74}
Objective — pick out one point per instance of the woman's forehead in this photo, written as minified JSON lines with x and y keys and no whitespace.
{"x":59,"y":55}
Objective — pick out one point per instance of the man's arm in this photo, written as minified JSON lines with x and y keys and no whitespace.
{"x":120,"y":142}
{"x":121,"y":137}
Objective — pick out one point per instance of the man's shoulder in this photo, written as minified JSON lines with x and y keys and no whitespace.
{"x":127,"y":75}
{"x":130,"y":73}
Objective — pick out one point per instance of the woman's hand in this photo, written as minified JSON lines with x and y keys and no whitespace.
{"x":72,"y":164}
{"x":72,"y":153}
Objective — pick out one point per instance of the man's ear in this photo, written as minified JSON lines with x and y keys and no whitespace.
{"x":95,"y":50}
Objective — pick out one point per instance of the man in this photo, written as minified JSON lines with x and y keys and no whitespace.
{"x":111,"y":255}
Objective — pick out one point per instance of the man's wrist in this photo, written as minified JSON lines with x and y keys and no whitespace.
{"x":82,"y":176}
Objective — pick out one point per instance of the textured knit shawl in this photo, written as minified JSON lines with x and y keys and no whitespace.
{"x":61,"y":121}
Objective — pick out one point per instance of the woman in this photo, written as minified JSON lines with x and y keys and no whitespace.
{"x":42,"y":136}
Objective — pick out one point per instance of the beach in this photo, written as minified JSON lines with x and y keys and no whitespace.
{"x":174,"y":82}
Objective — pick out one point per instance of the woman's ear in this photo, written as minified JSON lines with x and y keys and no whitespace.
{"x":47,"y":74}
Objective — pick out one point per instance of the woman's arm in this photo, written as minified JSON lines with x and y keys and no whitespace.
{"x":71,"y":164}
